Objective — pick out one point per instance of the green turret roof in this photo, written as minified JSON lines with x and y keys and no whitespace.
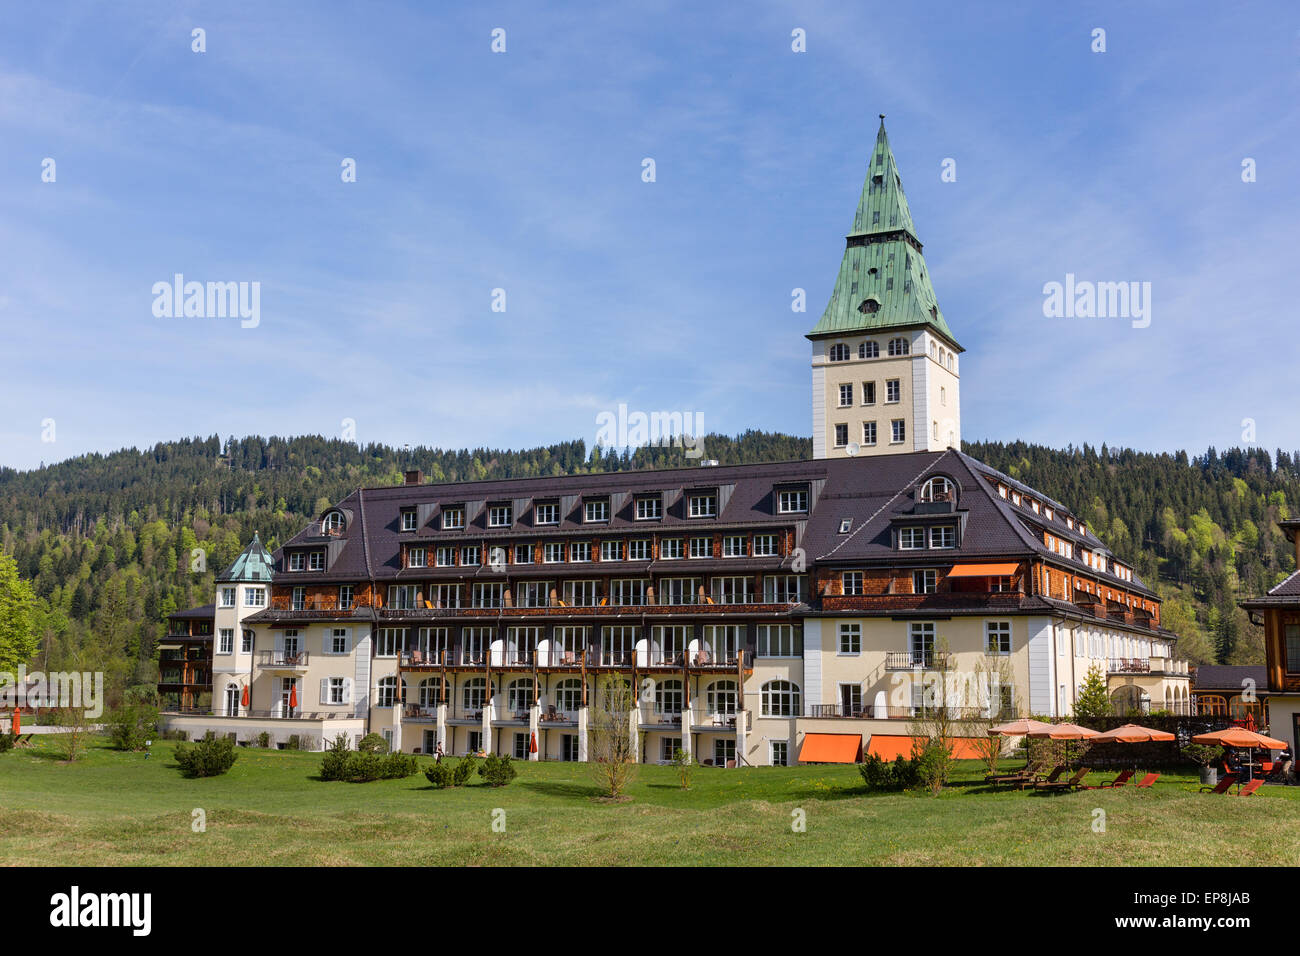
{"x":253,"y":564}
{"x":883,"y":281}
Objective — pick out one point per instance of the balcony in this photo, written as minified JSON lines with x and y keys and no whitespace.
{"x":912,"y":660}
{"x":286,"y":661}
{"x":1129,"y":665}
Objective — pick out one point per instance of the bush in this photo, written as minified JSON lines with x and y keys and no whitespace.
{"x":448,"y":774}
{"x":880,"y":774}
{"x":361,"y":766}
{"x":334,"y":764}
{"x":131,"y":726}
{"x":7,"y":742}
{"x":210,"y":757}
{"x":263,"y":740}
{"x":934,"y":765}
{"x":497,"y":771}
{"x":372,"y":744}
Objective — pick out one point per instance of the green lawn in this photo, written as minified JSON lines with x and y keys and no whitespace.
{"x":112,"y":808}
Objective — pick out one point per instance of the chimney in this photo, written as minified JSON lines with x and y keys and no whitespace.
{"x":414,"y":476}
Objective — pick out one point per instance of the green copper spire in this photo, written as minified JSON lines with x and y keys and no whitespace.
{"x":253,"y":564}
{"x":883,"y":281}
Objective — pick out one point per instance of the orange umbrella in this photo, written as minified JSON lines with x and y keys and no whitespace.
{"x":18,"y":721}
{"x":243,"y":700}
{"x":293,"y":695}
{"x":1241,"y":737}
{"x":1064,"y":732}
{"x":1131,"y":734}
{"x":1018,"y":728}
{"x":532,"y":743}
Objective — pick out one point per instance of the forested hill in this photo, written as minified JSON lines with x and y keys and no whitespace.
{"x":107,"y":539}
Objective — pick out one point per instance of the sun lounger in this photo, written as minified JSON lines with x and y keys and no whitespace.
{"x":1250,"y":787}
{"x":1119,"y":781}
{"x":1070,"y":784}
{"x":1146,"y":782}
{"x":1222,"y":786}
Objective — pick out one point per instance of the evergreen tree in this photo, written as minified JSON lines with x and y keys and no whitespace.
{"x":1092,"y":700}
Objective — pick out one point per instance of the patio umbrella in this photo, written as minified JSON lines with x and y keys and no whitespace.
{"x":18,"y":721}
{"x":293,"y":696}
{"x":532,"y":743}
{"x":1132,"y":734}
{"x":1018,"y":728}
{"x":243,"y":699}
{"x":1242,"y":738}
{"x":1066,"y":732}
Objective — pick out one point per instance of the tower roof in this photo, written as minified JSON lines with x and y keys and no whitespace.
{"x":883,"y":281}
{"x":253,"y":564}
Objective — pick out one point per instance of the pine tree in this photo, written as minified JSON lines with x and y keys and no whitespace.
{"x":1092,"y":700}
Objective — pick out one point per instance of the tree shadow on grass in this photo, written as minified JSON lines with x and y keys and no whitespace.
{"x":572,"y":790}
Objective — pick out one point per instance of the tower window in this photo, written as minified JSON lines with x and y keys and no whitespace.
{"x":868,"y":350}
{"x":899,"y":347}
{"x":898,"y":431}
{"x":841,"y":435}
{"x":868,"y":393}
{"x":893,"y":390}
{"x":839,"y":352}
{"x":869,"y":306}
{"x":846,"y":395}
{"x":868,"y":433}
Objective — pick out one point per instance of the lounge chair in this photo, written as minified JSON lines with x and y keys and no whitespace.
{"x":1222,"y":786}
{"x":1250,"y":787}
{"x":1025,"y":774}
{"x":1071,"y":784}
{"x":1119,"y":781}
{"x":1146,"y":782}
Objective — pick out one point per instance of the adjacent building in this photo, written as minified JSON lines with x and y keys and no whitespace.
{"x":751,"y":609}
{"x":1279,"y":612}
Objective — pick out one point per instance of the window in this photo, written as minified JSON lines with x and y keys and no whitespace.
{"x":453,"y":518}
{"x":226,"y":640}
{"x":779,"y":698}
{"x":254,"y":597}
{"x":678,"y":590}
{"x":333,"y":523}
{"x":943,"y":395}
{"x":408,"y":519}
{"x":581,"y":593}
{"x":638,"y":549}
{"x":533,"y":594}
{"x":943,"y":536}
{"x":779,"y":640}
{"x":701,"y":548}
{"x":997,"y":637}
{"x":611,"y":550}
{"x":415,"y":557}
{"x":485,"y":595}
{"x":783,"y":589}
{"x":521,"y":746}
{"x":733,"y":546}
{"x":703,"y":505}
{"x":779,"y":753}
{"x":911,"y":539}
{"x":548,"y":513}
{"x":668,"y":697}
{"x":298,"y":599}
{"x":1292,"y":635}
{"x":868,"y":393}
{"x":841,"y":435}
{"x":649,"y":509}
{"x":846,"y":396}
{"x":568,"y":695}
{"x":938,"y":488}
{"x":474,"y":643}
{"x":792,"y":502}
{"x":670,"y":549}
{"x":766,"y":545}
{"x":839,"y":352}
{"x":389,"y":641}
{"x":893,"y":390}
{"x":627,"y":591}
{"x":868,"y":350}
{"x":469,"y":555}
{"x":850,"y":639}
{"x":430,"y":692}
{"x":899,"y":347}
{"x":553,"y":552}
{"x":475,"y":693}
{"x":721,"y":643}
{"x":668,"y":747}
{"x":852,"y":582}
{"x":898,"y":433}
{"x":297,"y":561}
{"x":597,"y":510}
{"x":387,"y":692}
{"x":523,"y":554}
{"x":925,"y":581}
{"x":335,"y":691}
{"x":446,"y":596}
{"x":500,"y":516}
{"x":868,"y":433}
{"x":316,"y":561}
{"x":401,"y":597}
{"x":338,"y":643}
{"x":721,"y":697}
{"x":616,"y":645}
{"x":580,"y":551}
{"x":732,"y":590}
{"x":246,"y":642}
{"x":519,"y":698}
{"x":921,"y":643}
{"x":569,"y":747}
{"x":227,"y":597}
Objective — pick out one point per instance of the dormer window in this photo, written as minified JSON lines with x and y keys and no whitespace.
{"x":649,"y":508}
{"x":297,"y":561}
{"x":938,"y":488}
{"x":845,"y":524}
{"x":596,"y":510}
{"x":703,"y":505}
{"x":453,"y":517}
{"x":333,"y":523}
{"x":794,"y":501}
{"x":500,"y":515}
{"x":408,"y":519}
{"x":316,"y":561}
{"x":869,"y":307}
{"x":839,"y":352}
{"x":547,"y":512}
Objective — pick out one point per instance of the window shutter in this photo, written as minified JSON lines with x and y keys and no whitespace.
{"x":324,"y":690}
{"x":347,"y":690}
{"x":275,"y":691}
{"x":279,"y":642}
{"x":347,"y":640}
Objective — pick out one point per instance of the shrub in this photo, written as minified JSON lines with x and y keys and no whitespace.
{"x":131,"y":726}
{"x":210,"y":757}
{"x":497,"y":771}
{"x":361,"y":766}
{"x":7,"y":742}
{"x":934,"y":764}
{"x":293,"y":743}
{"x":372,"y":744}
{"x":263,"y":739}
{"x":685,"y":767}
{"x":334,"y":764}
{"x":880,"y":774}
{"x":448,"y":774}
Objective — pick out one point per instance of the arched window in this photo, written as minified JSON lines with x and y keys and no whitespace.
{"x":1131,"y":699}
{"x":568,"y":694}
{"x":431,"y":692}
{"x":668,"y":697}
{"x":869,"y":307}
{"x":333,"y":522}
{"x":721,"y":697}
{"x":232,"y":700}
{"x":475,"y":693}
{"x":839,"y":352}
{"x":868,"y":350}
{"x":387,"y":695}
{"x":780,"y":698}
{"x":937,"y":488}
{"x":899,"y":347}
{"x":519,"y":695}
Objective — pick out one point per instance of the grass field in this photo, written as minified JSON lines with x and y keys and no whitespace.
{"x":113,"y":808}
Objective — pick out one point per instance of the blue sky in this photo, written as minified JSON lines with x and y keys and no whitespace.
{"x":522,"y":170}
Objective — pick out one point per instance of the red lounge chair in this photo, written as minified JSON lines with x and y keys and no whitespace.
{"x":1146,"y":782}
{"x":1250,"y":787}
{"x":1119,"y":781}
{"x":1070,"y":784}
{"x":1222,"y":787}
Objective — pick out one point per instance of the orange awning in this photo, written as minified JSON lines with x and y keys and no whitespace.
{"x":831,"y":748}
{"x":983,"y":570}
{"x":887,"y":747}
